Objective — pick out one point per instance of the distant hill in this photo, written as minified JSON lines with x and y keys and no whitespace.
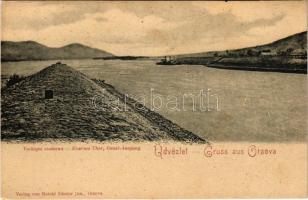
{"x":30,"y":50}
{"x":296,"y":42}
{"x":285,"y":55}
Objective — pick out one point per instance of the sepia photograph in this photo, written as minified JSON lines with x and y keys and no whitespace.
{"x":199,"y":92}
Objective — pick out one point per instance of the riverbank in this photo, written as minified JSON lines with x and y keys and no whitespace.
{"x":252,"y":63}
{"x":252,"y":68}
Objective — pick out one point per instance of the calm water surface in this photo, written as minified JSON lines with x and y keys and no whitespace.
{"x":252,"y":106}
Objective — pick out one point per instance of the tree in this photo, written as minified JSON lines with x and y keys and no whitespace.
{"x":249,"y":52}
{"x":13,"y":79}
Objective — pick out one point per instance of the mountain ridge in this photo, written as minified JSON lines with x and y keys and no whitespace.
{"x":32,"y":50}
{"x":299,"y":43}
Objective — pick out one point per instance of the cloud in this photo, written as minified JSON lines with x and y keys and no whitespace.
{"x":153,"y":28}
{"x":250,"y":11}
{"x":34,"y":15}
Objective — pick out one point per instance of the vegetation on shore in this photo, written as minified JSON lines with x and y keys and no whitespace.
{"x":13,"y":79}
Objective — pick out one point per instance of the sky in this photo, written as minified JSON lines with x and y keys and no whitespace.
{"x":153,"y":28}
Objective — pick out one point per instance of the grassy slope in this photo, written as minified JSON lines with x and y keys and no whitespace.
{"x":71,"y":115}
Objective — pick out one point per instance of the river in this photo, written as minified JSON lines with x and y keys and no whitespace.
{"x":243,"y":105}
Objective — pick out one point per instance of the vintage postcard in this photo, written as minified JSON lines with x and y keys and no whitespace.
{"x":153,"y":99}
